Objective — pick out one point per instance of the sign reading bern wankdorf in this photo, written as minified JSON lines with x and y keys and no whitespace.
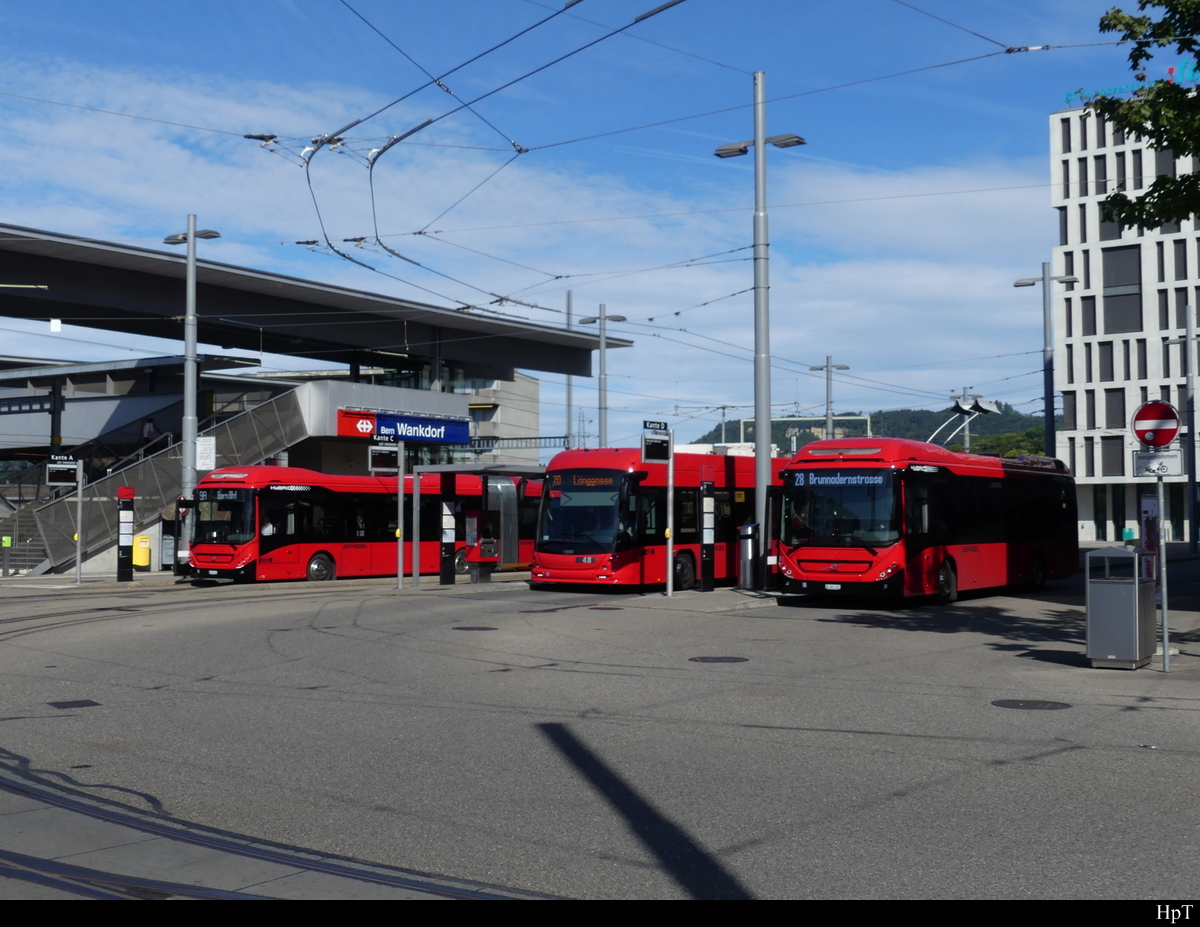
{"x":427,"y":430}
{"x":387,"y":427}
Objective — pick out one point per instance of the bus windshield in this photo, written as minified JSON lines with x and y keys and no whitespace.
{"x":223,"y":516}
{"x":581,"y":512}
{"x":841,"y":508}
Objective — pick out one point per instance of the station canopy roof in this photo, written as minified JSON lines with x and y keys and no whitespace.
{"x":140,"y":291}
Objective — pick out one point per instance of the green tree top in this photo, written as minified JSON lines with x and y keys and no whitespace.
{"x":1163,"y":113}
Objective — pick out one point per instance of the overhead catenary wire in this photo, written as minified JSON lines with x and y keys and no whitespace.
{"x":642,"y":38}
{"x":977,"y":35}
{"x":438,"y":80}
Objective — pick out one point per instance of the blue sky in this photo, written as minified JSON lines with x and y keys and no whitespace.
{"x":896,"y":232}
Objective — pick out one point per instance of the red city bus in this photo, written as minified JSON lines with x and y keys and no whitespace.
{"x":603,"y":517}
{"x":271,"y":523}
{"x":886,"y":516}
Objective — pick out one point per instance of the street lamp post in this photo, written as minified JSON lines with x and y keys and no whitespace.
{"x":762,"y":321}
{"x":190,"y":377}
{"x":1047,"y":350}
{"x":829,"y":368}
{"x":602,"y":318}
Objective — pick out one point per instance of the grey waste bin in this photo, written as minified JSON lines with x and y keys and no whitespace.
{"x":747,"y":556}
{"x":1120,"y":609}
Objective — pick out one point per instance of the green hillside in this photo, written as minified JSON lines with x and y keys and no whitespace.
{"x":1008,"y":433}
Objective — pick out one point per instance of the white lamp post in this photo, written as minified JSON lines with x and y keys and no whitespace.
{"x":1047,"y":350}
{"x":762,"y":319}
{"x":190,"y":377}
{"x":829,"y":367}
{"x":590,"y":320}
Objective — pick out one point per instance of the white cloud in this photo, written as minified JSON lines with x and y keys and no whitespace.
{"x":893,"y":273}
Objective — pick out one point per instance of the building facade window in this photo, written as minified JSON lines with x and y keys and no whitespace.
{"x":1114,"y":408}
{"x":1112,"y":456}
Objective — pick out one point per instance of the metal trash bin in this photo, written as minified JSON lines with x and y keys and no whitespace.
{"x":1120,"y":609}
{"x":747,"y":556}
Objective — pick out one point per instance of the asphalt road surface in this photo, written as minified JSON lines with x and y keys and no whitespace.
{"x":591,"y":745}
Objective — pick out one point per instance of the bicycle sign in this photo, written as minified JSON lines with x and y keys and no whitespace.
{"x":1157,"y":463}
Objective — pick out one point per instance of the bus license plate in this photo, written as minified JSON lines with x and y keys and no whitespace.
{"x":833,"y":587}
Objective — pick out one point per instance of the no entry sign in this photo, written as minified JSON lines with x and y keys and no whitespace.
{"x":1156,"y":423}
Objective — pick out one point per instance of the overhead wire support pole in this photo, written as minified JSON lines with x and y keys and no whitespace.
{"x":570,"y":383}
{"x":762,"y":328}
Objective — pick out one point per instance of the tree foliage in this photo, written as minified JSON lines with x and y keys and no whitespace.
{"x":1162,"y":112}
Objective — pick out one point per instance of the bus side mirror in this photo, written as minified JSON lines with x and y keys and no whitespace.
{"x":638,"y":475}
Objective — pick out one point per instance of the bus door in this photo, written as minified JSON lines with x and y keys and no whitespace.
{"x":278,"y":529}
{"x":652,"y":533}
{"x":924,"y":530}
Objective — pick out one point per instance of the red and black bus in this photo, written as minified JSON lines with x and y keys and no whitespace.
{"x":892,"y":517}
{"x":603,"y":517}
{"x":271,"y":523}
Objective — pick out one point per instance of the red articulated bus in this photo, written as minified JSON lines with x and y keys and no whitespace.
{"x":271,"y":523}
{"x":603,"y":517}
{"x":890,"y":517}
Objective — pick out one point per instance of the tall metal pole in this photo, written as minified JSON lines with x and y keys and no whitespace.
{"x":762,"y":329}
{"x":79,"y":522}
{"x":603,"y":385}
{"x":400,"y":516}
{"x":1164,"y":607}
{"x":828,"y":397}
{"x":188,"y":450}
{"x":570,"y":384}
{"x":1048,"y":363}
{"x":671,"y":512}
{"x":1189,"y":363}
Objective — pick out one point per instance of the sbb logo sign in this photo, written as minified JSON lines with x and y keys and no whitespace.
{"x":355,"y":424}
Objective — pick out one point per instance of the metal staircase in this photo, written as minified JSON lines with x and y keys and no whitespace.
{"x":244,"y":439}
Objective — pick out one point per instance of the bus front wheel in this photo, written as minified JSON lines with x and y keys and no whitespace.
{"x":947,"y":584}
{"x":320,"y":569}
{"x":685,"y":572}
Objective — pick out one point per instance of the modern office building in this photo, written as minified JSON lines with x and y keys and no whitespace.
{"x":1119,"y":331}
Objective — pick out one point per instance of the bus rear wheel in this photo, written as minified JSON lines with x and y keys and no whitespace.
{"x":461,"y":567}
{"x":1037,"y":576}
{"x":320,"y":569}
{"x":685,"y":572}
{"x":947,"y":584}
